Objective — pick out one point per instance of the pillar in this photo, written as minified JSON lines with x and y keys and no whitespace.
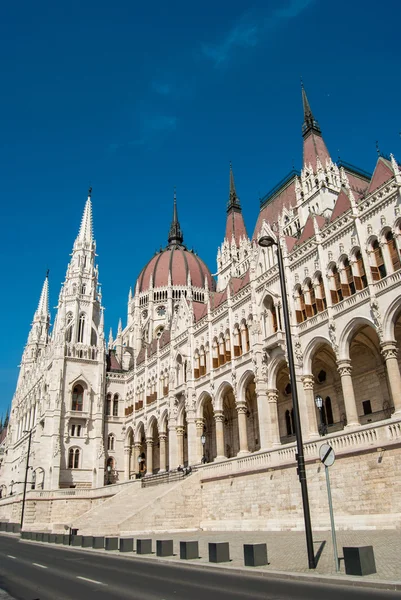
{"x":127,"y":458}
{"x":273,"y":432}
{"x":137,"y":451}
{"x":242,"y":429}
{"x":180,"y":444}
{"x":345,"y":368}
{"x":192,"y":440}
{"x":310,"y":405}
{"x":219,"y":420}
{"x":390,"y":351}
{"x":149,"y":456}
{"x":162,"y":442}
{"x":172,"y":445}
{"x":199,"y":432}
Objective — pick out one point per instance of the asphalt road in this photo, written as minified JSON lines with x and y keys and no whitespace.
{"x":30,"y":571}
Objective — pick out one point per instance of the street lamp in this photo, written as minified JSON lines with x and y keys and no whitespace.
{"x":322,"y":425}
{"x":26,"y":476}
{"x":108,"y":474}
{"x":203,"y":440}
{"x":268,"y":241}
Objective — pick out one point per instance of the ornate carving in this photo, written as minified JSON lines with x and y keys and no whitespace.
{"x":101,"y":452}
{"x":332,"y":336}
{"x":374,"y":307}
{"x":344,"y":368}
{"x":219,"y":416}
{"x":179,"y":430}
{"x":298,"y":351}
{"x":149,"y":441}
{"x":56,"y":450}
{"x":389,"y":351}
{"x":307,"y":382}
{"x":241,"y":408}
{"x":272,"y":396}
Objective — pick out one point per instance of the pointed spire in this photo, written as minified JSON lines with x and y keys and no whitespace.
{"x":310,"y":122}
{"x":86,"y":229}
{"x":110,"y":344}
{"x":120,"y":327}
{"x":233,"y":200}
{"x":130,"y":295}
{"x":43,"y":306}
{"x":175,"y":235}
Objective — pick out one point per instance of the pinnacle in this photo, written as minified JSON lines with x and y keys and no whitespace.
{"x":86,"y":229}
{"x":175,"y":235}
{"x":233,"y":200}
{"x":310,"y":122}
{"x":43,"y":306}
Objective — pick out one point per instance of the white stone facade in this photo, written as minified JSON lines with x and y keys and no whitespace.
{"x":192,"y":361}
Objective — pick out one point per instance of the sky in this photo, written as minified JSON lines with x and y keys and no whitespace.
{"x":135,"y":98}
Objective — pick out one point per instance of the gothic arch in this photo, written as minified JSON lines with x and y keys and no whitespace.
{"x":129,"y":437}
{"x":348,"y":333}
{"x":310,"y":350}
{"x":243,"y":382}
{"x":390,"y":318}
{"x":274,"y":366}
{"x":218,"y":403}
{"x":204,"y":396}
{"x":163,"y":421}
{"x":151,"y":424}
{"x":140,"y":427}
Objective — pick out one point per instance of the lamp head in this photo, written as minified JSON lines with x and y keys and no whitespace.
{"x":266,"y":241}
{"x":108,"y":468}
{"x":319,"y":402}
{"x":203,"y":439}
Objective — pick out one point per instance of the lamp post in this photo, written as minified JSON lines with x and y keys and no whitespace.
{"x":268,"y":242}
{"x":203,"y":440}
{"x":322,"y":425}
{"x":26,"y":476}
{"x":108,"y":474}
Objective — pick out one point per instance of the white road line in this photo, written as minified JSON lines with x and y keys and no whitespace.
{"x":9,"y":556}
{"x":91,"y":580}
{"x":38,"y":565}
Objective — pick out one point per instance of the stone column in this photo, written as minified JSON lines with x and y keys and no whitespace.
{"x":199,"y":432}
{"x":149,"y":456}
{"x":180,"y":444}
{"x":219,"y":420}
{"x":307,"y":382}
{"x":192,"y":441}
{"x":172,"y":445}
{"x":390,"y":351}
{"x":137,"y":451}
{"x":274,"y":429}
{"x":127,"y":458}
{"x":263,"y":414}
{"x":162,"y":442}
{"x":242,"y":429}
{"x":345,"y":368}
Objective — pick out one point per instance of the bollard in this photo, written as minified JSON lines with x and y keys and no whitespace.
{"x":98,"y":542}
{"x":87,"y":541}
{"x":76,"y":540}
{"x":39,"y":536}
{"x":26,"y":535}
{"x":126,"y":544}
{"x":45,"y":537}
{"x":219,"y":552}
{"x":144,"y":546}
{"x":66,"y":539}
{"x":9,"y":527}
{"x":59,"y":538}
{"x":3,"y":526}
{"x":16,"y":528}
{"x":359,"y":560}
{"x":111,"y":543}
{"x":34,"y":536}
{"x":189,"y":550}
{"x":255,"y":555}
{"x":164,"y":548}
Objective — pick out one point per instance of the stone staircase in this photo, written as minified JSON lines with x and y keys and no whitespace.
{"x":155,"y":508}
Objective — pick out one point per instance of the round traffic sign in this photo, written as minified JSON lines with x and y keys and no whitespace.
{"x":326,"y":454}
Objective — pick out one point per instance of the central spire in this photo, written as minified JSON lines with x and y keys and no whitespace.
{"x":43,"y":306}
{"x":310,"y":123}
{"x":86,"y":229}
{"x":233,"y":200}
{"x":175,"y":235}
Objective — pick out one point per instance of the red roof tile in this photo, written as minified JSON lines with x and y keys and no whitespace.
{"x":382,"y":173}
{"x":314,"y":146}
{"x":309,"y":230}
{"x":273,"y":209}
{"x":200,"y":310}
{"x":341,"y":206}
{"x":235,"y":226}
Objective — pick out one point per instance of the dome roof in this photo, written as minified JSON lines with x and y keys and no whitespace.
{"x":175,"y":261}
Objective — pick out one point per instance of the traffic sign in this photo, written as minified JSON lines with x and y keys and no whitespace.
{"x":326,"y":454}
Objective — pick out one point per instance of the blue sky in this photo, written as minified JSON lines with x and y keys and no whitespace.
{"x":136,"y":98}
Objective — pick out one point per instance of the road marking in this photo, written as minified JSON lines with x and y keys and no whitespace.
{"x":9,"y":556}
{"x":91,"y":580}
{"x":38,"y":565}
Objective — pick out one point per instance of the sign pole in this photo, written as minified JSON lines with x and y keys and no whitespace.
{"x":333,"y":529}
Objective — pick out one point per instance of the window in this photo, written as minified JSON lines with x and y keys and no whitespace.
{"x":108,"y":405}
{"x":348,"y":285}
{"x":393,"y":251}
{"x":359,"y":272}
{"x":68,"y":333}
{"x":336,"y":290}
{"x":300,"y":311}
{"x":73,"y":458}
{"x":83,"y":289}
{"x":367,"y":407}
{"x":310,"y":302}
{"x":289,"y":421}
{"x":110,"y":442}
{"x":72,"y":430}
{"x":115,"y":406}
{"x":328,"y":411}
{"x":378,"y":268}
{"x":228,"y":347}
{"x":81,"y":328}
{"x":197,"y":366}
{"x":77,"y":397}
{"x":75,"y":430}
{"x":237,"y":342}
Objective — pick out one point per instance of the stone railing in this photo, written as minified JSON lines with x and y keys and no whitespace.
{"x":81,"y":351}
{"x":377,"y":435}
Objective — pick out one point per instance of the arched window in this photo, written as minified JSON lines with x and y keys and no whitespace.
{"x":202,"y":362}
{"x":197,"y":365}
{"x":328,"y":411}
{"x":83,"y":289}
{"x":81,"y":328}
{"x":115,"y":405}
{"x":227,"y":346}
{"x":378,"y":267}
{"x":310,"y":300}
{"x":393,"y":251}
{"x":73,"y":458}
{"x":77,"y":397}
{"x":300,"y":311}
{"x":359,"y":272}
{"x":68,"y":333}
{"x":336,"y":288}
{"x":289,"y":422}
{"x":321,"y":303}
{"x":108,"y":405}
{"x":215,"y":350}
{"x":110,"y":441}
{"x":348,"y":284}
{"x":237,"y":342}
{"x":222,"y":351}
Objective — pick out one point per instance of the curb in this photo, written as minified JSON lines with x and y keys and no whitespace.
{"x":340,"y":580}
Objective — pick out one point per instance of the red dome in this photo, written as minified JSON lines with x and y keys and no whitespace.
{"x":178,"y":261}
